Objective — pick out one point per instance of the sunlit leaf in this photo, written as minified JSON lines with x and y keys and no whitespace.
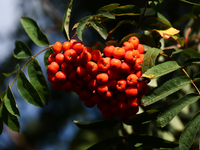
{"x":82,"y":25}
{"x":46,"y":56}
{"x":121,"y":23}
{"x":126,"y":10}
{"x":170,"y":112}
{"x":38,"y":80}
{"x":150,"y":58}
{"x":187,"y":137}
{"x":193,"y":2}
{"x":164,"y":90}
{"x":161,"y":69}
{"x":17,"y":67}
{"x":106,"y":144}
{"x":104,"y":13}
{"x":99,"y":28}
{"x":109,"y":7}
{"x":166,"y":34}
{"x":66,"y":19}
{"x":96,"y":125}
{"x":27,"y":91}
{"x":142,"y":118}
{"x":34,"y":32}
{"x":149,"y":142}
{"x":10,"y":103}
{"x":144,"y":39}
{"x":21,"y":51}
{"x":10,"y":120}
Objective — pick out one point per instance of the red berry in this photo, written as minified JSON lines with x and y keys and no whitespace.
{"x":102,"y":78}
{"x":78,"y":47}
{"x":121,"y":85}
{"x":118,"y":52}
{"x":140,"y":48}
{"x":81,"y":72}
{"x":131,"y":91}
{"x":59,"y":58}
{"x":115,"y":64}
{"x":108,"y":50}
{"x":57,"y":47}
{"x":66,"y":67}
{"x":96,"y":55}
{"x":66,"y":46}
{"x":60,"y":77}
{"x":70,"y":56}
{"x":134,"y":40}
{"x":53,"y":67}
{"x":132,"y":79}
{"x":103,"y":64}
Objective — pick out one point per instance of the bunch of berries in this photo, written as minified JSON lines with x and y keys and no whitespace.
{"x":107,"y":79}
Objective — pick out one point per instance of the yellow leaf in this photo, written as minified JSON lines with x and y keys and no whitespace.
{"x":166,"y":34}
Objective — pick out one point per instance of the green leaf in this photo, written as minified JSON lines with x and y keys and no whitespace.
{"x":104,"y":13}
{"x":106,"y":144}
{"x":191,"y":52}
{"x":168,"y":114}
{"x":164,"y":90}
{"x":10,"y":103}
{"x":126,"y":10}
{"x":196,"y":77}
{"x":150,"y":58}
{"x":121,"y":23}
{"x":109,"y":7}
{"x":46,"y":56}
{"x":10,"y":120}
{"x":192,"y":61}
{"x":189,"y":133}
{"x":1,"y":125}
{"x":81,"y":26}
{"x":161,"y":69}
{"x":193,"y":2}
{"x":2,"y":95}
{"x":66,"y":19}
{"x":34,"y":32}
{"x":163,"y":19}
{"x":21,"y":51}
{"x":96,"y":125}
{"x":99,"y":28}
{"x":148,"y":11}
{"x":142,"y":118}
{"x":38,"y":80}
{"x":17,"y":67}
{"x":149,"y":142}
{"x":27,"y":91}
{"x":144,"y":39}
{"x":178,"y":39}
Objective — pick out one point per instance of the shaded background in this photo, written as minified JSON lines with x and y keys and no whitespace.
{"x":52,"y":127}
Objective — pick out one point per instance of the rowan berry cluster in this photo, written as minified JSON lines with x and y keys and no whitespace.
{"x":107,"y":79}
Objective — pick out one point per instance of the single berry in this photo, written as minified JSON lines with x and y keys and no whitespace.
{"x":51,"y":58}
{"x":108,"y":50}
{"x":140,"y":48}
{"x":134,"y":40}
{"x":102,"y":78}
{"x":96,"y":55}
{"x":78,"y":47}
{"x":132,"y":79}
{"x":53,"y":67}
{"x":60,"y":77}
{"x":92,"y":68}
{"x":66,"y":46}
{"x":128,"y":46}
{"x":121,"y":85}
{"x":81,"y":72}
{"x":70,"y":56}
{"x":66,"y":67}
{"x":131,"y":91}
{"x":103,"y":64}
{"x":59,"y":58}
{"x":118,"y":52}
{"x":57,"y":47}
{"x":115,"y":64}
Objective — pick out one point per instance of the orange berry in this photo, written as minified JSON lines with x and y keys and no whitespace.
{"x":51,"y":58}
{"x":129,"y":57}
{"x":57,"y":47}
{"x":60,"y":77}
{"x":108,"y":50}
{"x":70,"y":56}
{"x":72,"y":41}
{"x":53,"y":67}
{"x":121,"y":85}
{"x":66,"y":46}
{"x":102,"y":78}
{"x":51,"y":77}
{"x":140,"y":48}
{"x":132,"y":79}
{"x":131,"y":91}
{"x":134,"y":40}
{"x":96,"y":55}
{"x":59,"y":58}
{"x":78,"y":47}
{"x":81,"y":72}
{"x":107,"y":95}
{"x":112,"y":74}
{"x":128,"y":46}
{"x":66,"y":67}
{"x":138,"y":64}
{"x":88,"y":49}
{"x":103,"y":64}
{"x":85,"y":56}
{"x":125,"y":67}
{"x":115,"y":64}
{"x":138,"y":73}
{"x":78,"y":61}
{"x":102,"y":89}
{"x":141,"y":86}
{"x":118,"y":52}
{"x":92,"y":68}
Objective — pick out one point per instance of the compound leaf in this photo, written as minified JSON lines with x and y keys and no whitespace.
{"x":34,"y":32}
{"x":168,"y":114}
{"x":164,"y":90}
{"x":106,"y":144}
{"x":27,"y":91}
{"x":10,"y":103}
{"x":21,"y":51}
{"x":161,"y":69}
{"x":17,"y":67}
{"x":189,"y":133}
{"x":81,"y":26}
{"x":99,"y":28}
{"x":150,"y":58}
{"x":66,"y":19}
{"x":38,"y":80}
{"x":96,"y":125}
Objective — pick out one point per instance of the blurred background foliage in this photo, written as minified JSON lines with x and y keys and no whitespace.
{"x":52,"y":127}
